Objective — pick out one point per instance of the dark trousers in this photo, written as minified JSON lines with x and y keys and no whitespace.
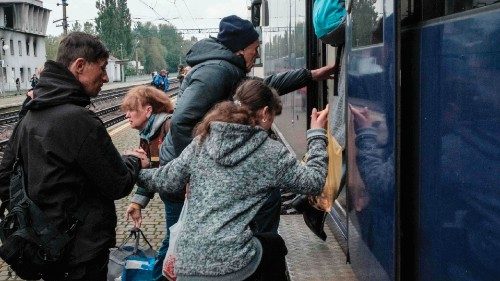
{"x":95,"y":269}
{"x":272,"y":265}
{"x":267,"y":218}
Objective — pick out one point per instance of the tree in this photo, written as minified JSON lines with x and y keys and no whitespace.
{"x":76,"y":27}
{"x":364,"y":18}
{"x":89,"y":28}
{"x":154,"y":55}
{"x":160,"y":47}
{"x":113,"y":25}
{"x":51,"y":46}
{"x":172,"y":41}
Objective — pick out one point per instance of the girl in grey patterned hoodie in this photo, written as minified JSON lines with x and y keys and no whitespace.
{"x":232,"y":166}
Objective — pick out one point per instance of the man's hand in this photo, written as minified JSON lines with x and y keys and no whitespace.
{"x":134,"y":212}
{"x":323,"y":73}
{"x":141,"y":154}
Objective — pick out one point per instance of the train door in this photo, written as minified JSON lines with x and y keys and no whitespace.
{"x":372,"y":92}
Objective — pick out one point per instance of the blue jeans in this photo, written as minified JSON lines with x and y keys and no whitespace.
{"x":172,"y":213}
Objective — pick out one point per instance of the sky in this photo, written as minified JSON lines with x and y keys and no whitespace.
{"x":184,"y":14}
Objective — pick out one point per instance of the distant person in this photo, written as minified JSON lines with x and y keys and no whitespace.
{"x":218,"y":66}
{"x":160,"y":81}
{"x":18,"y":86}
{"x":34,"y":81}
{"x":232,"y":165}
{"x":70,"y":161}
{"x":182,"y":72}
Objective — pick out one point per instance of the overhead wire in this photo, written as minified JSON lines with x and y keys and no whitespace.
{"x":154,"y":10}
{"x":190,"y":14}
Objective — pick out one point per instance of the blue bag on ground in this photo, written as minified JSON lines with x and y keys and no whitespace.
{"x":133,"y":260}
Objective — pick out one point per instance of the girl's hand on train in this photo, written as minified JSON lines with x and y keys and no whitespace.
{"x":319,"y":118}
{"x":323,"y":73}
{"x":134,"y":212}
{"x":361,"y":117}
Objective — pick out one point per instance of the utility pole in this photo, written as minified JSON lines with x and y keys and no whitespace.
{"x":64,"y":19}
{"x":136,"y":63}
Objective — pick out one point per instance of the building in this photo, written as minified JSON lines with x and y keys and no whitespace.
{"x":23,"y":25}
{"x":116,"y":69}
{"x":136,"y":66}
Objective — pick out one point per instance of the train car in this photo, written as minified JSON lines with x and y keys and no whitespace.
{"x":424,"y":202}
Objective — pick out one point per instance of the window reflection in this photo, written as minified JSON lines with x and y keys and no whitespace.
{"x":371,"y":179}
{"x":284,"y":48}
{"x":413,"y":11}
{"x":367,"y":19}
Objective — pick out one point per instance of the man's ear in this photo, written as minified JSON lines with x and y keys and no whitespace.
{"x":77,"y":66}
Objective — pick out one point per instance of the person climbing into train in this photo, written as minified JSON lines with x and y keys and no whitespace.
{"x":218,"y":66}
{"x":232,"y":165}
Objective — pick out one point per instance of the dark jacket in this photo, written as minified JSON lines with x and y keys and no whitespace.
{"x":69,"y":158}
{"x":215,"y":74}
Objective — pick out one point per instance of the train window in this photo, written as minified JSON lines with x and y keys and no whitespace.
{"x":409,"y":12}
{"x":367,"y":22}
{"x":438,"y":8}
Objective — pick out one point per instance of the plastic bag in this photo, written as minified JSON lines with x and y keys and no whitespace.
{"x":324,"y":201}
{"x":131,"y":260}
{"x":171,"y":255}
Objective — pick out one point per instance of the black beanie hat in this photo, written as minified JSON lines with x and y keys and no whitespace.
{"x":236,"y":33}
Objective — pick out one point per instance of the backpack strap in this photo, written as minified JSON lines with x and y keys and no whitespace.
{"x":166,"y":127}
{"x":45,"y":233}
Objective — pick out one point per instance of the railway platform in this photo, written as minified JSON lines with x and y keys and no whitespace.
{"x":309,"y":258}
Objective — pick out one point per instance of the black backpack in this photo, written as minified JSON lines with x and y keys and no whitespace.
{"x":31,"y":244}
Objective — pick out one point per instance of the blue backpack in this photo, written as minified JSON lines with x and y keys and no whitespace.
{"x":329,"y":18}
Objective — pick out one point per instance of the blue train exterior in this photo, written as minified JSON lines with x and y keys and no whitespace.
{"x":428,"y":72}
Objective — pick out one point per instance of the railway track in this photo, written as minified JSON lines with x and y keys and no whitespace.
{"x":110,"y":115}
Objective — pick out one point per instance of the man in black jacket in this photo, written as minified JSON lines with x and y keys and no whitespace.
{"x":69,"y":159}
{"x":218,"y":66}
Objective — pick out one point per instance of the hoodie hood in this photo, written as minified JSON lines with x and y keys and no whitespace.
{"x":229,"y":143}
{"x":57,"y":85}
{"x":211,"y":49}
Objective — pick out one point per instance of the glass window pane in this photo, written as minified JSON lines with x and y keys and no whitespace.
{"x":367,"y":22}
{"x":438,"y":8}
